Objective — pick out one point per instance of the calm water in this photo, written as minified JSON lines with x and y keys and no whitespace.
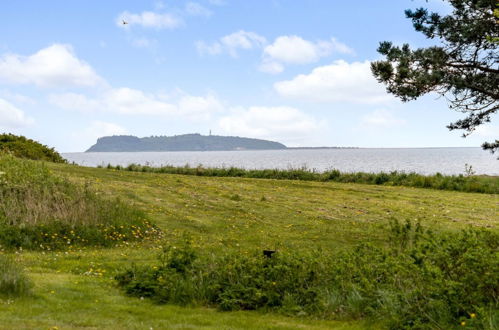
{"x":424,"y":160}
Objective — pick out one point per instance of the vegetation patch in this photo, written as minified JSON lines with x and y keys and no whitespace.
{"x":13,"y":281}
{"x":22,"y":147}
{"x":465,"y":183}
{"x":39,"y":210}
{"x":418,"y":280}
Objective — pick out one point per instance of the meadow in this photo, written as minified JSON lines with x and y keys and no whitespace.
{"x":229,"y":217}
{"x":463,"y":182}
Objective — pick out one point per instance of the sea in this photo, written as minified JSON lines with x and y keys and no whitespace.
{"x":419,"y":160}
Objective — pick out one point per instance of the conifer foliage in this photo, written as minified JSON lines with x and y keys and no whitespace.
{"x":463,"y":67}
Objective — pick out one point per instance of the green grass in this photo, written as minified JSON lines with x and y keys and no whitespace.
{"x":293,"y":215}
{"x":467,"y":182}
{"x":13,"y":280}
{"x":39,"y":210}
{"x":267,"y":214}
{"x":419,"y":278}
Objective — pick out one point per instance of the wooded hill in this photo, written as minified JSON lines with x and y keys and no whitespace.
{"x":186,"y":142}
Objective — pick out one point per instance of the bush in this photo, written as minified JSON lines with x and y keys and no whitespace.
{"x":419,"y":280}
{"x":41,"y":211}
{"x":13,"y":281}
{"x":22,"y":147}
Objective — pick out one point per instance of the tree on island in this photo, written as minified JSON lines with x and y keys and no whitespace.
{"x":464,"y":68}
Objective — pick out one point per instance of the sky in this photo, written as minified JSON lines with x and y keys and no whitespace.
{"x":293,"y":71}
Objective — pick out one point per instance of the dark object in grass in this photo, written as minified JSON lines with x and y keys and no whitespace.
{"x":269,"y":253}
{"x":419,"y":279}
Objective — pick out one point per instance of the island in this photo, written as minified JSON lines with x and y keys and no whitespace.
{"x":185,"y":142}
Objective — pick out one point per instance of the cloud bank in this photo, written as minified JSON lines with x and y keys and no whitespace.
{"x":282,"y":123}
{"x":128,"y":101}
{"x":53,"y":66}
{"x":296,"y":50}
{"x":12,"y":117}
{"x":338,"y":82}
{"x":232,"y":43}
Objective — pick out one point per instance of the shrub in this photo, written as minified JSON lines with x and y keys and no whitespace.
{"x":13,"y":281}
{"x":41,"y":211}
{"x":22,"y":147}
{"x":419,"y":280}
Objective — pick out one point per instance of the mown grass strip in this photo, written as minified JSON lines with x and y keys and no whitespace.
{"x":464,"y":183}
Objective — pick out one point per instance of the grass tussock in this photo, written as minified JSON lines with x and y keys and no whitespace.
{"x":39,"y":210}
{"x":464,"y":183}
{"x":13,"y":281}
{"x":418,"y":280}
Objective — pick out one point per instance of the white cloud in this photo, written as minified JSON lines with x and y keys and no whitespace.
{"x":82,"y":139}
{"x":148,"y":19}
{"x":133,"y":101}
{"x":12,"y":117}
{"x":16,"y":98}
{"x":487,"y":131}
{"x":74,"y":101}
{"x":296,"y":50}
{"x":232,"y":43}
{"x":195,"y":9}
{"x":242,"y":40}
{"x":270,"y":66}
{"x":99,"y":128}
{"x":130,"y":101}
{"x":54,"y":66}
{"x":381,"y":119}
{"x":278,"y":123}
{"x":198,"y":107}
{"x":284,"y":50}
{"x":339,"y":47}
{"x":338,"y":82}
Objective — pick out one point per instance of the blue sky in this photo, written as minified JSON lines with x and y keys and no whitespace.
{"x":294,"y":71}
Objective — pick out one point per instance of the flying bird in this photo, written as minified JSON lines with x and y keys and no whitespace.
{"x":124,"y":22}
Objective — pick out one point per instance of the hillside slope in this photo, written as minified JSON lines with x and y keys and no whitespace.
{"x":76,"y":289}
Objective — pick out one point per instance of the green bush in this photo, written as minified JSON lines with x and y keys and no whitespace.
{"x":39,"y":210}
{"x":418,"y":280}
{"x":13,"y":281}
{"x":471,"y":183}
{"x":22,"y":147}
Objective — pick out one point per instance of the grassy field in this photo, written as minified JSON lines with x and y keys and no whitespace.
{"x":76,"y":289}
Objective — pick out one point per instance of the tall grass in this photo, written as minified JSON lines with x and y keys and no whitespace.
{"x":41,"y":210}
{"x":13,"y":281}
{"x":419,"y":280}
{"x":465,"y":183}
